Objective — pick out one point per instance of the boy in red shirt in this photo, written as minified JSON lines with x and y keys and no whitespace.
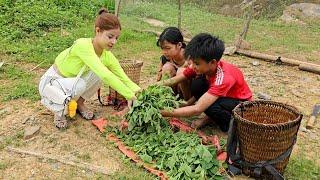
{"x":217,"y":86}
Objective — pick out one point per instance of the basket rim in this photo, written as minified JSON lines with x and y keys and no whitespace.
{"x":131,"y":62}
{"x":286,"y":106}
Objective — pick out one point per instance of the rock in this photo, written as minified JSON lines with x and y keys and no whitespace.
{"x":31,"y":131}
{"x":289,"y":19}
{"x":55,"y":166}
{"x":300,"y":11}
{"x":307,"y":9}
{"x":186,"y":33}
{"x":30,"y":119}
{"x":303,"y":129}
{"x":255,"y":63}
{"x":230,"y":50}
{"x":154,"y":22}
{"x":263,"y":96}
{"x":1,"y":63}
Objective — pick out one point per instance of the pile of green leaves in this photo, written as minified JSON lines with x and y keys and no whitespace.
{"x":145,"y":112}
{"x":181,"y":155}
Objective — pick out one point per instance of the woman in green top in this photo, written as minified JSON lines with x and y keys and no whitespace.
{"x":94,"y":58}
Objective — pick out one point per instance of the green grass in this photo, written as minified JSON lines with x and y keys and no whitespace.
{"x":132,"y":171}
{"x":264,"y":35}
{"x":20,"y":84}
{"x":46,"y":43}
{"x":15,"y":140}
{"x":3,"y":165}
{"x":300,"y":167}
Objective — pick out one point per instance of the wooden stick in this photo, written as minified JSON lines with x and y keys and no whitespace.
{"x":271,"y":58}
{"x":82,"y":165}
{"x":37,"y":66}
{"x":309,"y":68}
{"x":243,"y":34}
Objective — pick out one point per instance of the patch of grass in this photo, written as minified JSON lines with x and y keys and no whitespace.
{"x":21,"y":84}
{"x":13,"y":73}
{"x":84,"y":157}
{"x":132,"y":171}
{"x":301,"y":168}
{"x":264,"y":35}
{"x":15,"y":140}
{"x":24,"y":89}
{"x":3,"y":165}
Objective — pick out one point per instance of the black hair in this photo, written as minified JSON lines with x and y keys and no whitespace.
{"x":171,"y":34}
{"x":206,"y":47}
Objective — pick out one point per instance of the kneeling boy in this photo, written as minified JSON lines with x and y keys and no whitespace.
{"x":217,"y":85}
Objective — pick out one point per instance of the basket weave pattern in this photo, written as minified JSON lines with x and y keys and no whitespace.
{"x":132,"y":68}
{"x":265,"y":130}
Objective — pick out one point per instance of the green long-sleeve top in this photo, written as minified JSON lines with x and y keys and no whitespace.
{"x":107,"y":67}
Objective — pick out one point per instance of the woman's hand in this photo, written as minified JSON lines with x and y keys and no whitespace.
{"x":131,"y":101}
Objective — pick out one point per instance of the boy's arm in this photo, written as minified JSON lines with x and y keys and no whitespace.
{"x":203,"y":103}
{"x":172,"y":81}
{"x":190,"y":102}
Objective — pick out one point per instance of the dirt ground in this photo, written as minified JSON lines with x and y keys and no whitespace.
{"x":82,"y":142}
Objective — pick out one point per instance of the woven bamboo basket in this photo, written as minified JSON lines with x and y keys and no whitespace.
{"x":132,"y":68}
{"x":265,"y":130}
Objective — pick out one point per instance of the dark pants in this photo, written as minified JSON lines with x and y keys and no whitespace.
{"x":220,"y":110}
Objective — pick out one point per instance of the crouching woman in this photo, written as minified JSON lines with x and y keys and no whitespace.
{"x":79,"y":71}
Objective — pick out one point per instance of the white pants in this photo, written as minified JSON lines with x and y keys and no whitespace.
{"x":85,"y":88}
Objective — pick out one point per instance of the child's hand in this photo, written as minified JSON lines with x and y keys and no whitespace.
{"x":165,"y":113}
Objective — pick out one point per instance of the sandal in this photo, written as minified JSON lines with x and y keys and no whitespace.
{"x":60,"y":122}
{"x":87,"y":115}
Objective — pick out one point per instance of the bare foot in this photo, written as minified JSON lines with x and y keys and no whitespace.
{"x":200,"y":122}
{"x":84,"y":111}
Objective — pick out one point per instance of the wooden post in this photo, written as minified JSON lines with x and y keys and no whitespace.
{"x":117,"y":7}
{"x":243,"y":34}
{"x":179,"y":14}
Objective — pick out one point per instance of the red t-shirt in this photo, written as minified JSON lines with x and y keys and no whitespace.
{"x":227,"y":82}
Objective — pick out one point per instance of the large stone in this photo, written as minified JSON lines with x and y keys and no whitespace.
{"x":154,"y":22}
{"x":263,"y":96}
{"x":300,"y":11}
{"x":31,"y":131}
